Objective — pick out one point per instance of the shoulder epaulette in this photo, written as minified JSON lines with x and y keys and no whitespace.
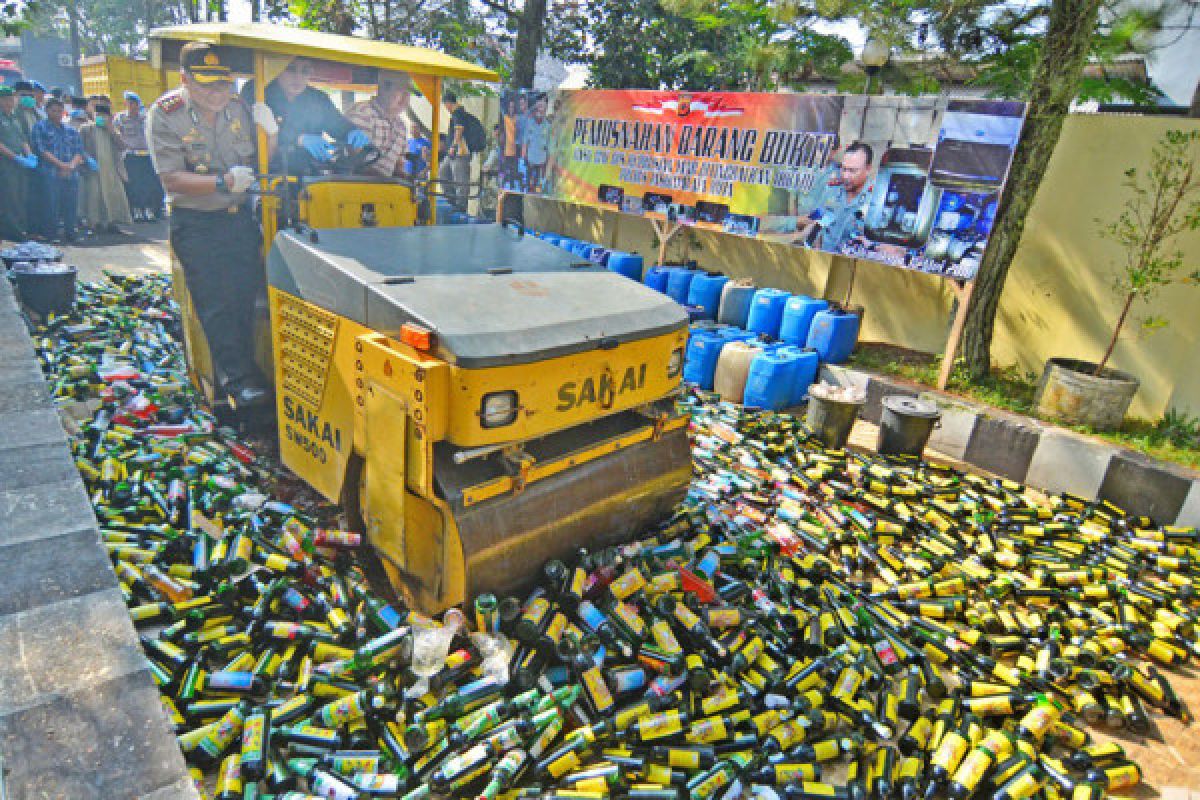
{"x":171,"y":101}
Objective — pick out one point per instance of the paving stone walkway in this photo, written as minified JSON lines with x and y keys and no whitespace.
{"x":79,"y":714}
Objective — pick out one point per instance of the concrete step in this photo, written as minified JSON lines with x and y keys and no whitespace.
{"x":80,"y":717}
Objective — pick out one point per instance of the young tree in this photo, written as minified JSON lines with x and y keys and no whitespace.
{"x":1163,"y":202}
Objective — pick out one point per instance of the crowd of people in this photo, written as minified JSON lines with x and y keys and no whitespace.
{"x":72,"y":166}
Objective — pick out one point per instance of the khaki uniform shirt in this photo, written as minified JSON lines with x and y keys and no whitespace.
{"x":180,"y":141}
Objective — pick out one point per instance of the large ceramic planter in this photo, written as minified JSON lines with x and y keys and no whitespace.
{"x":1070,"y":392}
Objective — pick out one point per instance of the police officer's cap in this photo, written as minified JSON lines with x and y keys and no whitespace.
{"x":205,"y":63}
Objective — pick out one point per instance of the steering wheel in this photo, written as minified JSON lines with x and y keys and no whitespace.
{"x":344,"y":161}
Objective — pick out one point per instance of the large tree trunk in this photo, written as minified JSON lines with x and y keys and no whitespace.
{"x":530,"y":23}
{"x":1055,"y":81}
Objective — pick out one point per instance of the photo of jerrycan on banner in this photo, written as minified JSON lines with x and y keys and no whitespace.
{"x":916,"y":188}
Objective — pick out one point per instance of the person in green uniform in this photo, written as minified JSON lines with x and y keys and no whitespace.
{"x":16,"y":163}
{"x":29,"y":114}
{"x":104,"y":201}
{"x":203,"y":146}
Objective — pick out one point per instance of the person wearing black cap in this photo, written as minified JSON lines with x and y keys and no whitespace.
{"x":27,"y":107}
{"x":202,"y":143}
{"x":305,"y":116}
{"x":15,"y":163}
{"x":59,"y":149}
{"x":78,"y":114}
{"x":27,"y":113}
{"x":103,"y":200}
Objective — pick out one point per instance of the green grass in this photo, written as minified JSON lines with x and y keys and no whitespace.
{"x":1174,"y":438}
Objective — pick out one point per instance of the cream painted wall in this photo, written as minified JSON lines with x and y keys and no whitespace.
{"x":1057,"y":301}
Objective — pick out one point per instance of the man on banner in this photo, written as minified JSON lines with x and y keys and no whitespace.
{"x":840,"y":217}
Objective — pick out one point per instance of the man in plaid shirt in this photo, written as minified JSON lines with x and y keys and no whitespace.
{"x":382,"y":119}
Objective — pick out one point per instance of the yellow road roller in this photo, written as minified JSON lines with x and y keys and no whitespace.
{"x":479,"y":399}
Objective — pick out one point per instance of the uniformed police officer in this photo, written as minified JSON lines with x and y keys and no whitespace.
{"x":840,"y":217}
{"x":203,"y":143}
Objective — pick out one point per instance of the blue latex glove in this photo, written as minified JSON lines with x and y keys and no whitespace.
{"x":28,"y":162}
{"x":91,"y":164}
{"x":358,"y":139}
{"x":316,"y":146}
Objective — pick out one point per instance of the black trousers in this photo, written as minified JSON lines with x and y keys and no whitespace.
{"x":220,"y":256}
{"x":13,"y":182}
{"x":144,"y":189}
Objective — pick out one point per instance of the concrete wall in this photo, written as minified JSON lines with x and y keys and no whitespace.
{"x":1058,"y":301}
{"x":39,"y":60}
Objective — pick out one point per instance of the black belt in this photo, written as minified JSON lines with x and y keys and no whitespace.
{"x":185,"y":212}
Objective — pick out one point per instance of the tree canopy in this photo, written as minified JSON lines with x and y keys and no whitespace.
{"x":763,"y":45}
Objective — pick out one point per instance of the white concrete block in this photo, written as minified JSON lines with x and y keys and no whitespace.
{"x":1189,"y":514}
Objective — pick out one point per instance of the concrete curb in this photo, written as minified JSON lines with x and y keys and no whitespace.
{"x":80,"y":716}
{"x":1040,"y":454}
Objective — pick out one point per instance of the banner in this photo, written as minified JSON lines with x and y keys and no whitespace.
{"x":910,"y":182}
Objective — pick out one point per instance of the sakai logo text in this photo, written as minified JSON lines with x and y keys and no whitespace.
{"x":308,"y":431}
{"x":602,"y":390}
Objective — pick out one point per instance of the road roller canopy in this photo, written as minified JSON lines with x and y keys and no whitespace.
{"x":244,"y":39}
{"x":492,"y":297}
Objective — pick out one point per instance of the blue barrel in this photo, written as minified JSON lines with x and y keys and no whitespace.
{"x":579,"y":248}
{"x":656,"y":278}
{"x":627,"y":264}
{"x":766,"y":311}
{"x":705,"y":292}
{"x":769,"y":384}
{"x":798,"y":315}
{"x":732,"y":334}
{"x":679,"y":281}
{"x":700,"y":361}
{"x":833,"y":335}
{"x":567,"y":243}
{"x":735,"y":304}
{"x":805,"y":372}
